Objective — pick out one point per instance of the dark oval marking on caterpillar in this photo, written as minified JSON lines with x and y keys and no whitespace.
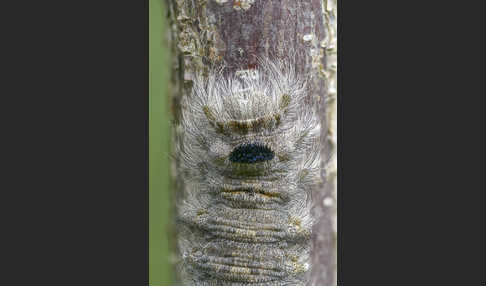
{"x":252,"y":152}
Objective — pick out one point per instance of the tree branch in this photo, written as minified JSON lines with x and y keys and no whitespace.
{"x":235,"y":34}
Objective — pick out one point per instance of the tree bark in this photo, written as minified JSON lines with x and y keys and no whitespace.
{"x":235,"y":34}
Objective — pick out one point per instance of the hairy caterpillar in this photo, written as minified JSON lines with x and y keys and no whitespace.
{"x":248,"y":157}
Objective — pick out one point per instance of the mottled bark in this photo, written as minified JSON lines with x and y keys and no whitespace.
{"x":235,"y":34}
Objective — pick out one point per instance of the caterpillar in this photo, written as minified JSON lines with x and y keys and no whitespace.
{"x":247,"y":149}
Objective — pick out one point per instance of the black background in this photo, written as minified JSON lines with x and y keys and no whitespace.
{"x":76,"y":177}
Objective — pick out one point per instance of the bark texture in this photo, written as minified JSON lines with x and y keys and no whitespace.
{"x":235,"y":34}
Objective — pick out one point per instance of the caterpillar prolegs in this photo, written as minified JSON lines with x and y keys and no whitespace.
{"x":248,"y":158}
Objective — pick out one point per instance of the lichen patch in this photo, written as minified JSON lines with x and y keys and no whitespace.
{"x":243,"y":4}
